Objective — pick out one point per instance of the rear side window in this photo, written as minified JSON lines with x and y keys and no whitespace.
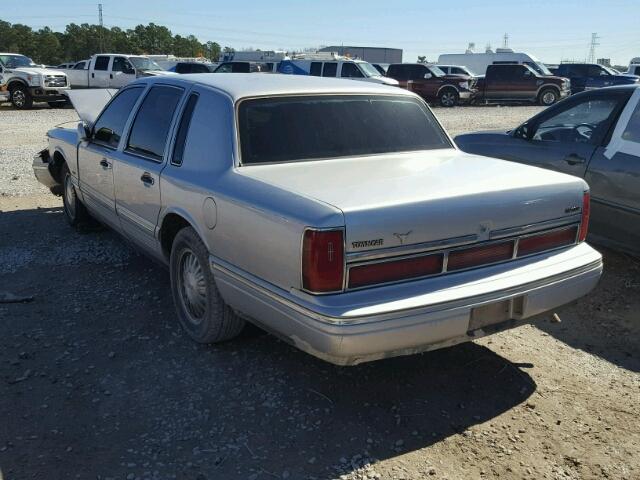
{"x":399,"y":72}
{"x":110,"y":125}
{"x":344,"y":125}
{"x":632,"y":131}
{"x":350,"y":70}
{"x":330,"y":69}
{"x":102,"y":63}
{"x":181,"y":136}
{"x":316,"y":69}
{"x":183,"y":68}
{"x":199,"y":68}
{"x":240,"y":67}
{"x":150,"y":128}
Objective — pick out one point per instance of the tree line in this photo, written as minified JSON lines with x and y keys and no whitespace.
{"x":79,"y":42}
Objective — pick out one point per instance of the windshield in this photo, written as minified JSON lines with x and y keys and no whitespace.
{"x":539,"y":67}
{"x":335,"y":126}
{"x":437,"y":72}
{"x":368,"y":69}
{"x":143,"y":63}
{"x":16,"y":61}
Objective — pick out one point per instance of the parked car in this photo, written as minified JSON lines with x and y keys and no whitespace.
{"x":381,"y":68}
{"x":634,"y":69}
{"x":192,"y":67}
{"x":433,"y":84}
{"x":65,"y":65}
{"x":112,"y":70}
{"x":505,"y":83}
{"x":331,"y":65}
{"x":27,"y":82}
{"x":245,"y":67}
{"x":337,"y":214}
{"x":587,"y":76}
{"x":478,"y":62}
{"x":594,"y":135}
{"x":459,"y":70}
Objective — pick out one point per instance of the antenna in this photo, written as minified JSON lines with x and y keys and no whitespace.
{"x":101,"y":26}
{"x":505,"y":41}
{"x":592,"y":48}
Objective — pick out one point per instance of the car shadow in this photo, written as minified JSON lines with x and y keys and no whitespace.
{"x":606,"y":322}
{"x":119,"y":385}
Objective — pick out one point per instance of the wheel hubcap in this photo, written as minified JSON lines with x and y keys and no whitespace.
{"x":193,"y":289}
{"x":69,"y":197}
{"x":448,"y":99}
{"x":18,"y":98}
{"x":548,"y":98}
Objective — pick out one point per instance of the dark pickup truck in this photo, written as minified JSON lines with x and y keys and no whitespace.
{"x":587,"y":76}
{"x":520,"y":83}
{"x":433,"y":84}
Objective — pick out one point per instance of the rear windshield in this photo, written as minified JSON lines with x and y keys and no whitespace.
{"x":286,"y":129}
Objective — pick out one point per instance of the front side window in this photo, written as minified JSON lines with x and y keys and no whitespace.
{"x":150,"y":129}
{"x":102,"y":63}
{"x":632,"y":131}
{"x":344,"y":125}
{"x":350,"y":70}
{"x":417,"y":72}
{"x":596,"y":71}
{"x":224,"y":68}
{"x":79,"y":66}
{"x":110,"y":125}
{"x":120,"y":64}
{"x":584,"y":122}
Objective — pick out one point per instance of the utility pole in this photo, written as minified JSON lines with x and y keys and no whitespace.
{"x":592,"y":48}
{"x":101,"y":26}
{"x":505,"y":41}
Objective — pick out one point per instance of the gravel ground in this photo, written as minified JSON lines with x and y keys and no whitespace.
{"x":98,"y":381}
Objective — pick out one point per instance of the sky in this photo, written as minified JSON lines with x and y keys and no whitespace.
{"x":552,"y":30}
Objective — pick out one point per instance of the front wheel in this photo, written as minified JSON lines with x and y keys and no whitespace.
{"x":20,"y":97}
{"x":74,"y":210}
{"x":201,"y":310}
{"x":548,"y":96}
{"x":449,"y":98}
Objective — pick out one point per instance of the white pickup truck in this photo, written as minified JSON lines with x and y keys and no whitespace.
{"x":23,"y":82}
{"x":111,"y":70}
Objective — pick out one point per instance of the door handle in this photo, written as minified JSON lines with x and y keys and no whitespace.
{"x":574,"y":159}
{"x":93,"y":75}
{"x":111,"y":76}
{"x":105,"y":164}
{"x":147,"y":179}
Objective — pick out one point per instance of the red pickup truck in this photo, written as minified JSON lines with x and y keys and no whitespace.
{"x":433,"y":84}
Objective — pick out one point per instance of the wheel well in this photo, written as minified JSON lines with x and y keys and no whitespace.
{"x":171,"y":225}
{"x":444,"y":88}
{"x":14,"y":83}
{"x":549,"y":87}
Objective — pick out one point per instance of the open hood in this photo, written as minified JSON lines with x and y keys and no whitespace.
{"x":90,"y":102}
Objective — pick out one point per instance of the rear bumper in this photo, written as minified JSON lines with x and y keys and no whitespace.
{"x":365,"y":325}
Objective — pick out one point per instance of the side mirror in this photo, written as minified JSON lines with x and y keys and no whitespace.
{"x":427,"y":76}
{"x":83,"y":132}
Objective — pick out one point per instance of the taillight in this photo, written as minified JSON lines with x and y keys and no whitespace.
{"x":546,"y":241}
{"x":586,"y":212}
{"x":323,"y":260}
{"x":395,"y":270}
{"x":475,"y":256}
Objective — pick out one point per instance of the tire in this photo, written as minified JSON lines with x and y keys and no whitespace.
{"x":20,"y":97}
{"x":448,"y":98}
{"x":200,"y":308}
{"x":548,"y":96}
{"x":74,"y":210}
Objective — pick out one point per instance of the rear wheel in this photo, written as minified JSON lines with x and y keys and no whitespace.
{"x":449,"y":97}
{"x":74,"y":210}
{"x":20,"y":97}
{"x":548,"y":96}
{"x":201,"y":310}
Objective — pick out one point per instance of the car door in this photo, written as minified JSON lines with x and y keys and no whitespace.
{"x":614,"y":178}
{"x":95,"y":156}
{"x":497,"y":82}
{"x":565,"y":137}
{"x":100,"y":74}
{"x":122,"y":72}
{"x":140,"y":161}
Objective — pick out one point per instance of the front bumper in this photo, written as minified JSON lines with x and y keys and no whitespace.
{"x":48,"y":94}
{"x":407,"y":318}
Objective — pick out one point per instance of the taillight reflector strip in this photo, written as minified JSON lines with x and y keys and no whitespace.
{"x":323,"y":260}
{"x":547,"y":241}
{"x":395,"y":270}
{"x":476,"y":256}
{"x":586,"y":213}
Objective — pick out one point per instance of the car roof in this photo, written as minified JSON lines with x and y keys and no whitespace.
{"x":242,"y":85}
